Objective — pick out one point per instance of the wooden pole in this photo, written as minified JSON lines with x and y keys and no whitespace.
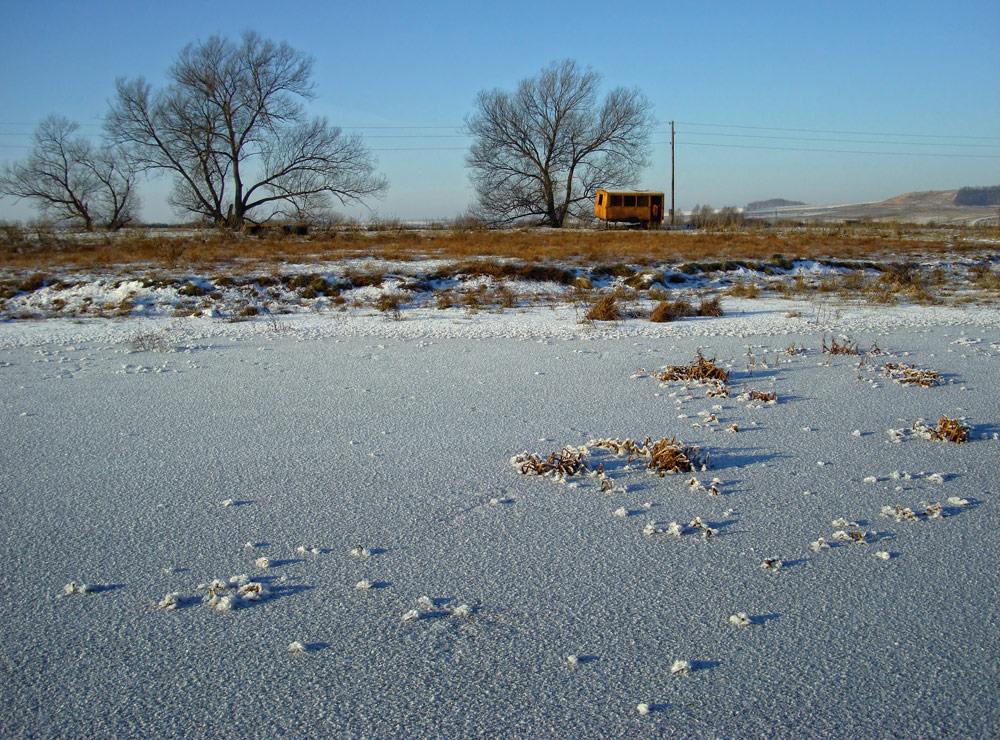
{"x":671,"y":173}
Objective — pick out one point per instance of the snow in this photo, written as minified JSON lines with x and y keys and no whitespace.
{"x":447,"y":589}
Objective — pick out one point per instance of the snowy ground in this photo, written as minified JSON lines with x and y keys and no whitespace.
{"x":147,"y":456}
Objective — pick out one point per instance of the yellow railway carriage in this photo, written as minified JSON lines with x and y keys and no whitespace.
{"x":633,"y":206}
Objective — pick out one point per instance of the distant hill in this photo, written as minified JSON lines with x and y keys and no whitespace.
{"x":926,"y":206}
{"x":763,"y":205}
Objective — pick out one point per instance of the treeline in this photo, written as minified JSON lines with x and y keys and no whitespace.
{"x":983,"y":196}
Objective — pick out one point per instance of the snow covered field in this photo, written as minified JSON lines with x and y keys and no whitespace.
{"x":149,"y":456}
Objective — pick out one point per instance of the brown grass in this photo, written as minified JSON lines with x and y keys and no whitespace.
{"x":605,"y":309}
{"x":910,"y":375}
{"x":665,"y":456}
{"x":947,"y":430}
{"x":23,"y":250}
{"x":569,"y":461}
{"x":845,"y":347}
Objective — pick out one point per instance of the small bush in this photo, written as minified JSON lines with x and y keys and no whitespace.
{"x":389,"y":303}
{"x":605,"y":309}
{"x":670,"y":311}
{"x":710,"y":307}
{"x":744,"y":290}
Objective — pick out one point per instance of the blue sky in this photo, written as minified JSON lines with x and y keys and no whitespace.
{"x":745,"y":82}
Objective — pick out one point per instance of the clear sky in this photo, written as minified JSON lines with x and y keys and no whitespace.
{"x":755,"y":88}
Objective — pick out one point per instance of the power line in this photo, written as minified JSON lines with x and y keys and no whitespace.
{"x":826,"y":131}
{"x":841,"y":141}
{"x":837,"y":151}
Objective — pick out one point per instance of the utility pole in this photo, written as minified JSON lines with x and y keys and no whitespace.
{"x":671,"y":173}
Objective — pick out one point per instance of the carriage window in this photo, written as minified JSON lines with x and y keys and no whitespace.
{"x":616,"y":200}
{"x":642,"y":201}
{"x":630,"y":201}
{"x":600,"y":199}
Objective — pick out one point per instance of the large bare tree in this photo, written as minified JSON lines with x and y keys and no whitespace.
{"x":70,"y":179}
{"x":543,"y":150}
{"x":231,"y":128}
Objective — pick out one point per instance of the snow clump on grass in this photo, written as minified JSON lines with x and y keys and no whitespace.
{"x":171,"y":601}
{"x":253,"y":591}
{"x":819,"y":545}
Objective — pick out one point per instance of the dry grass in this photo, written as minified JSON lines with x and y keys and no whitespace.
{"x":671,"y":311}
{"x":846,"y":347}
{"x":947,"y":430}
{"x":910,"y":375}
{"x":41,"y":249}
{"x":569,"y":461}
{"x":700,"y":370}
{"x":665,"y":456}
{"x":605,"y":309}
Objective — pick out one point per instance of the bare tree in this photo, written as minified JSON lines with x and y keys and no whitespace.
{"x":231,"y":129}
{"x":545,"y":149}
{"x":69,"y":179}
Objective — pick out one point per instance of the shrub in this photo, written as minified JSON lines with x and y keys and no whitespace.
{"x":670,"y":310}
{"x":710,"y":307}
{"x":605,"y":309}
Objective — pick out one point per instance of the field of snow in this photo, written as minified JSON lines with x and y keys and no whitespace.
{"x":385,"y":571}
